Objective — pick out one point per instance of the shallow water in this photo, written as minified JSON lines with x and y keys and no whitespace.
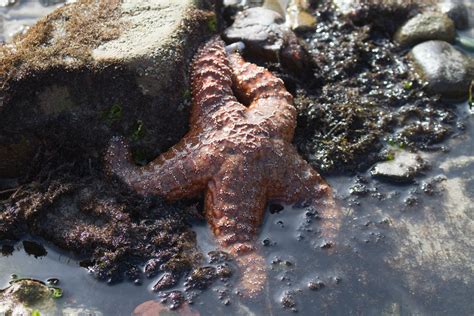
{"x":396,"y":254}
{"x":370,"y":272}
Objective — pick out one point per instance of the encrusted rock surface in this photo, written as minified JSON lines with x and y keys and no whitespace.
{"x":83,"y":62}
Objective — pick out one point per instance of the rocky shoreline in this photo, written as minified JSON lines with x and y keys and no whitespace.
{"x":373,"y":84}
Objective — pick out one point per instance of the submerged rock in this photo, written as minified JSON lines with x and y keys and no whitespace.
{"x":438,"y":244}
{"x":403,"y":168}
{"x":24,"y":296}
{"x":457,"y":11}
{"x":154,"y":308}
{"x":424,"y":27}
{"x":447,"y":71}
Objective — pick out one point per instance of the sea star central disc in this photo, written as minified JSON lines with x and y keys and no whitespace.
{"x":239,"y":152}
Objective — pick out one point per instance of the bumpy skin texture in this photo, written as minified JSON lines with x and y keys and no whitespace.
{"x":239,"y":154}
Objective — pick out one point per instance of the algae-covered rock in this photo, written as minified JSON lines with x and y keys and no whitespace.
{"x":92,"y":69}
{"x":25,"y":296}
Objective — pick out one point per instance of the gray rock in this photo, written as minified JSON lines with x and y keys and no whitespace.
{"x":94,"y":70}
{"x":265,"y":34}
{"x":262,"y":30}
{"x":403,"y":168}
{"x":447,"y":70}
{"x":424,"y":27}
{"x":155,"y":42}
{"x":457,"y":11}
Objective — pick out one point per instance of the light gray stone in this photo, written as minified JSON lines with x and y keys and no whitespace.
{"x":446,"y":70}
{"x":424,"y":27}
{"x":403,"y":168}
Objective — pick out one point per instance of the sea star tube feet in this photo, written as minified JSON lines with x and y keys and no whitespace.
{"x":238,"y":152}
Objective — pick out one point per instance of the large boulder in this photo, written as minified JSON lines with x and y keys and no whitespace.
{"x":95,"y":68}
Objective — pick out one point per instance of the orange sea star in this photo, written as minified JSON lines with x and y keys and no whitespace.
{"x":238,"y":153}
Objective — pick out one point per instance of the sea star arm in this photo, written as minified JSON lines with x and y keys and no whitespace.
{"x":269,"y":104}
{"x":299,"y":182}
{"x":234,"y":204}
{"x":179,"y":172}
{"x":211,"y":77}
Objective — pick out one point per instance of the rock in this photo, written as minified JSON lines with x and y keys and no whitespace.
{"x":403,"y":168}
{"x":424,"y":27}
{"x":265,"y":35}
{"x":154,"y":308}
{"x":262,"y":30}
{"x":92,"y":69}
{"x":24,"y":296}
{"x":461,"y":162}
{"x":345,"y":6}
{"x":457,"y":11}
{"x":166,"y":281}
{"x":295,"y":12}
{"x":447,"y":70}
{"x":155,"y":41}
{"x":438,"y":243}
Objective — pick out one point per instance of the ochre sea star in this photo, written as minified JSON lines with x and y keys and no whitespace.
{"x":238,"y":153}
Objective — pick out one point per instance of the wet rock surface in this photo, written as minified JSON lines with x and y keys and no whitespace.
{"x":262,"y":30}
{"x":76,"y":78}
{"x":457,"y":11}
{"x":448,"y":71}
{"x":363,"y":96}
{"x":402,"y":168}
{"x":424,"y":27}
